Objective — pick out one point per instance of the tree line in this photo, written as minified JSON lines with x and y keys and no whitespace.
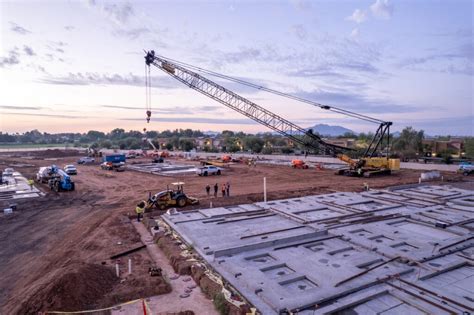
{"x":409,"y":143}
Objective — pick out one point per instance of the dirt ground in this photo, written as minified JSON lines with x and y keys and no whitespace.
{"x":54,"y":243}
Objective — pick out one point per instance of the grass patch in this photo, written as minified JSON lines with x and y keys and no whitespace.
{"x":220,"y":304}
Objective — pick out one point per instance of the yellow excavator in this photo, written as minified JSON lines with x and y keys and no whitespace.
{"x":372,"y":162}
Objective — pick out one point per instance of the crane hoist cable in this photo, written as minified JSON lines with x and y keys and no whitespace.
{"x":272,"y":91}
{"x":147,"y":93}
{"x":286,"y":95}
{"x":244,"y":106}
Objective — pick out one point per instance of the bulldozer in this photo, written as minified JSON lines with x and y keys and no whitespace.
{"x":170,"y":198}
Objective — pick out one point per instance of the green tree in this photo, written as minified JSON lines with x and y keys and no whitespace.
{"x":469,"y":147}
{"x":94,"y":135}
{"x":409,"y":143}
{"x":107,"y":144}
{"x":253,"y":143}
{"x":186,"y":145}
{"x":117,"y":133}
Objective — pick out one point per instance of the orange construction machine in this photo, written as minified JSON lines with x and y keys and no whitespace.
{"x":299,"y":164}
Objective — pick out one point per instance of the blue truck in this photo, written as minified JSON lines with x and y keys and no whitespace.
{"x":114,"y":158}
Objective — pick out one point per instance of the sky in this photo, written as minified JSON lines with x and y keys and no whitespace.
{"x":74,"y":66}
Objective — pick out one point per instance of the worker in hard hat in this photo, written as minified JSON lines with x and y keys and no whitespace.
{"x":140,"y":209}
{"x":31,"y":183}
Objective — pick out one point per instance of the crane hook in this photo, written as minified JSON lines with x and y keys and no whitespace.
{"x":148,"y":115}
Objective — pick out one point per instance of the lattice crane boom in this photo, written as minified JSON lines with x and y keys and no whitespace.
{"x":244,"y":106}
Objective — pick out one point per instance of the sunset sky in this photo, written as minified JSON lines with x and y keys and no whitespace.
{"x":72,"y":66}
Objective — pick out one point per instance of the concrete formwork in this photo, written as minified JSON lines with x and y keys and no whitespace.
{"x":16,"y":187}
{"x":386,"y":251}
{"x":164,"y":169}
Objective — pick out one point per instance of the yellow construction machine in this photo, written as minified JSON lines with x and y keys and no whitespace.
{"x":368,"y":166}
{"x":170,"y":198}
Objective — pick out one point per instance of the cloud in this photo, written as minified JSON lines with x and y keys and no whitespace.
{"x":335,"y":69}
{"x":303,"y":5}
{"x":300,"y":31}
{"x":356,"y":102}
{"x":382,"y":9}
{"x":94,"y":78}
{"x":357,"y":16}
{"x":20,"y":107}
{"x":199,"y":120}
{"x":19,"y":29}
{"x":119,"y":13}
{"x":444,"y":125}
{"x":46,"y":115}
{"x":182,"y":110}
{"x":456,"y":61}
{"x":11,"y":59}
{"x":355,"y":33}
{"x":132,"y":33}
{"x":28,"y":50}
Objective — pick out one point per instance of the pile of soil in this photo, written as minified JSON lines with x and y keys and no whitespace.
{"x":56,"y":153}
{"x":79,"y":289}
{"x":171,"y":248}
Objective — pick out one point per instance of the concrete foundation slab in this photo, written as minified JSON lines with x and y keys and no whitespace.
{"x":343,"y":252}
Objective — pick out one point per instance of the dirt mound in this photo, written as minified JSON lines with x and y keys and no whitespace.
{"x":56,"y":153}
{"x":80,"y":289}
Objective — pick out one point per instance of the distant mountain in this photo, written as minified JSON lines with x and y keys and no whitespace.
{"x":327,"y":130}
{"x":395,"y":134}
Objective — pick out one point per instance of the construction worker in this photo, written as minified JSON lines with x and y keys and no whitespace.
{"x":140,"y":209}
{"x":223,"y":190}
{"x":208,"y":189}
{"x":31,"y":183}
{"x":216,"y":188}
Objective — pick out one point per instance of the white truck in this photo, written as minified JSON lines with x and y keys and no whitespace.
{"x":208,"y":170}
{"x":466,"y":168}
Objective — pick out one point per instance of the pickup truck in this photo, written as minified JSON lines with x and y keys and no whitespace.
{"x":85,"y":160}
{"x":208,"y":170}
{"x":466,"y":169}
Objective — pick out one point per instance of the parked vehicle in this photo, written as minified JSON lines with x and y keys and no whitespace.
{"x":131,"y":155}
{"x":466,"y":168}
{"x":109,"y":166}
{"x":44,"y":174}
{"x":114,"y":158}
{"x":208,"y":170}
{"x":70,"y":169}
{"x":157,"y":160}
{"x":8,"y":172}
{"x":60,"y":181}
{"x":86,"y":160}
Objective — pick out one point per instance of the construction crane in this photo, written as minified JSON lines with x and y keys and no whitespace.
{"x":367,"y":165}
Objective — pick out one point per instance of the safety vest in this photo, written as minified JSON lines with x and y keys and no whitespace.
{"x":139,"y":210}
{"x":31,"y":182}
